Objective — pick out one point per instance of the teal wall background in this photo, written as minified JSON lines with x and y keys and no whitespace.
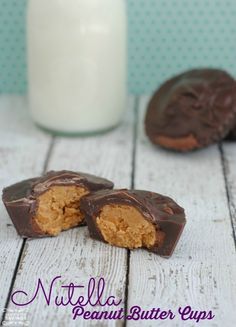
{"x":165,"y":37}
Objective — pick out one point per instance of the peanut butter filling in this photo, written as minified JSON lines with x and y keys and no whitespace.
{"x":58,"y":209}
{"x":125,"y":226}
{"x":181,"y":143}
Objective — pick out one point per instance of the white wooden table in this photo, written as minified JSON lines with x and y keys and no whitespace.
{"x":202,"y":271}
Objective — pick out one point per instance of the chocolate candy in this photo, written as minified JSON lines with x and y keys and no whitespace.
{"x":192,"y":110}
{"x":134,"y":219}
{"x":47,"y":205}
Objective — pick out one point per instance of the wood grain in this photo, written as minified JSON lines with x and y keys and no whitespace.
{"x":73,"y":255}
{"x":202,"y":271}
{"x":23,"y":150}
{"x":229,"y":163}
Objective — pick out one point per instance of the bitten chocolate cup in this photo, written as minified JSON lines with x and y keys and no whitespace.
{"x":47,"y":205}
{"x":192,"y":110}
{"x":134,"y":219}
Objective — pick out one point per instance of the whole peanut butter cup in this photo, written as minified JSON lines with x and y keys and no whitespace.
{"x":192,"y":110}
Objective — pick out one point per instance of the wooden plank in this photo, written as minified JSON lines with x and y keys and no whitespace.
{"x":23,"y":149}
{"x":202,"y":271}
{"x":73,"y":255}
{"x":229,"y":164}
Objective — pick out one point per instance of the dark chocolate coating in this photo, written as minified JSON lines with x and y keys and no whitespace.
{"x":165,"y":214}
{"x":197,"y":107}
{"x":20,"y":199}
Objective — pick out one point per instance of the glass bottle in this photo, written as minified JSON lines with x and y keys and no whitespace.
{"x":77,"y":64}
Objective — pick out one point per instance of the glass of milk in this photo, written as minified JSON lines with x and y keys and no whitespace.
{"x":77,"y":64}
